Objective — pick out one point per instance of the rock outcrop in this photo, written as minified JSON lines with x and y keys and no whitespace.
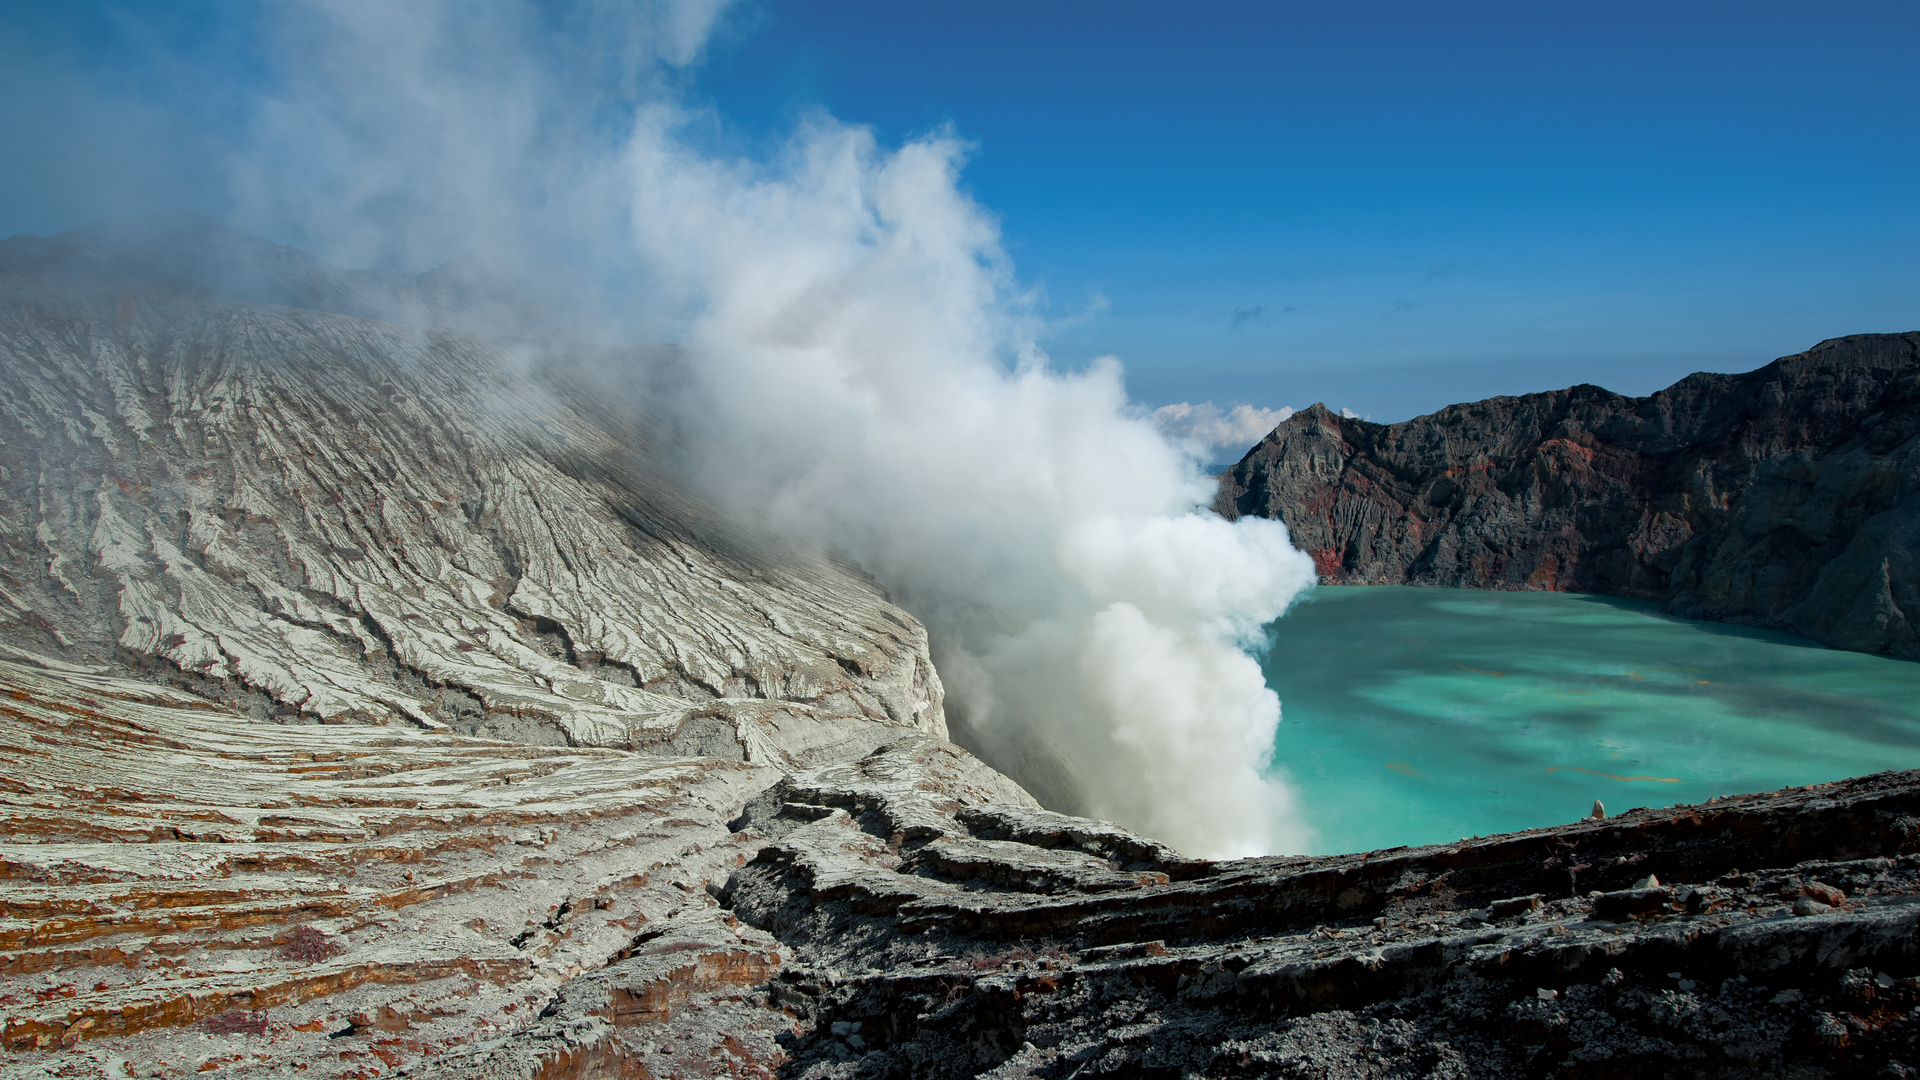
{"x":1755,"y":936}
{"x":1787,"y":497}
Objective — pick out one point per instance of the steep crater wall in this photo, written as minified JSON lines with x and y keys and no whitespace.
{"x":1787,"y":497}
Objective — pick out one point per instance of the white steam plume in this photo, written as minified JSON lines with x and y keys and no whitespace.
{"x":1217,"y":430}
{"x":865,"y":378}
{"x":868,"y":383}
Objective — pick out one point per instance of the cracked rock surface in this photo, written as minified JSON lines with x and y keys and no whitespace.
{"x":367,"y":690}
{"x":1755,"y":936}
{"x":358,"y":520}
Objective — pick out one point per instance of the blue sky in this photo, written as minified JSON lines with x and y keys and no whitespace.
{"x":1388,"y":207}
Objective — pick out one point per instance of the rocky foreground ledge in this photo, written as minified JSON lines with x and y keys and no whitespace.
{"x":188,"y":890}
{"x":1757,"y":935}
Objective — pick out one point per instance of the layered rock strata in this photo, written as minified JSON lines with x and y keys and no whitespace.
{"x":1755,"y":936}
{"x":329,"y":518}
{"x":187,"y":889}
{"x":1787,"y":497}
{"x":367,"y":687}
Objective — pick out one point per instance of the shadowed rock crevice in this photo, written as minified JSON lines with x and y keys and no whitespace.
{"x":1628,"y":947}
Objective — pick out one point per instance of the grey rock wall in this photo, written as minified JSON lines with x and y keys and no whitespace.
{"x":1754,"y":936}
{"x":1787,"y":497}
{"x":336,"y":518}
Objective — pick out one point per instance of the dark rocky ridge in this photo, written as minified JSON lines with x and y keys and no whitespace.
{"x":1777,"y":938}
{"x":1787,"y":497}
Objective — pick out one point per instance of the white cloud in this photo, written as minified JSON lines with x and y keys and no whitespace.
{"x":870,"y":380}
{"x":1206,"y":424}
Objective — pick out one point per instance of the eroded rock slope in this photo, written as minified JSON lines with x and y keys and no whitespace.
{"x":366,"y":685}
{"x":352,"y":519}
{"x":1787,"y":497}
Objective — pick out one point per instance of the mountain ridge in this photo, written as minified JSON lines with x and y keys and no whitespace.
{"x":1786,"y":497}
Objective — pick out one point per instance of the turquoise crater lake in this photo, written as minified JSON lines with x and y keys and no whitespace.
{"x":1415,"y":716}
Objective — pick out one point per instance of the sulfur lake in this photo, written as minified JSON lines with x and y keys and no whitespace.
{"x":1415,"y":716}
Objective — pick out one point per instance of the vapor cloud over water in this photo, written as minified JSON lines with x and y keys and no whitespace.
{"x":865,"y":373}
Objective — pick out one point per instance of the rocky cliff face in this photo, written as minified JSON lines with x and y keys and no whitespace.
{"x":370,"y":706}
{"x":1756,"y":936}
{"x":1787,"y":497}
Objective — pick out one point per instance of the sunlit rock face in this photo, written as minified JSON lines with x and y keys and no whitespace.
{"x":339,"y":519}
{"x":367,"y":683}
{"x":1787,"y":497}
{"x":187,"y":887}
